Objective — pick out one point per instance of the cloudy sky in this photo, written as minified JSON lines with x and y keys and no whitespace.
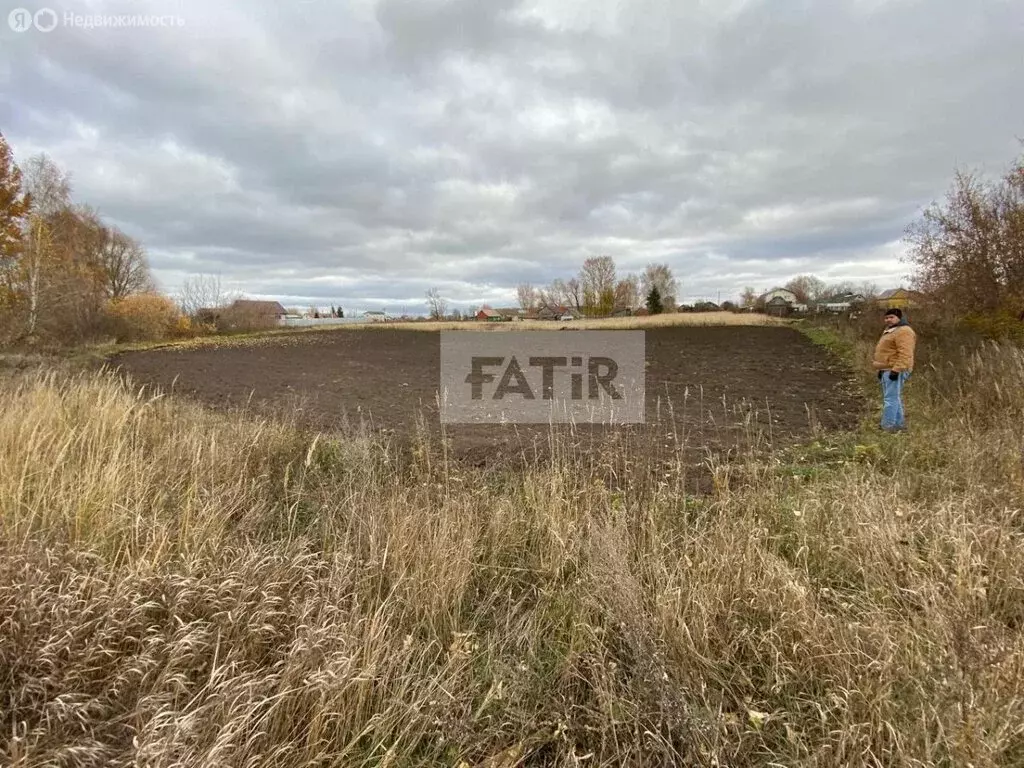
{"x":359,"y":152}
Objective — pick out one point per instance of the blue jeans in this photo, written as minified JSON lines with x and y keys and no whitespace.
{"x":892,"y":400}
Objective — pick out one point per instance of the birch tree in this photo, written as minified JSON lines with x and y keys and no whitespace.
{"x":49,"y":191}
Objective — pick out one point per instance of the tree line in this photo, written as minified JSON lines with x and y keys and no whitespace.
{"x":65,"y":274}
{"x":597,"y":290}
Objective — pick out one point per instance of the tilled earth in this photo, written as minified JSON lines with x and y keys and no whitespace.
{"x":720,"y":389}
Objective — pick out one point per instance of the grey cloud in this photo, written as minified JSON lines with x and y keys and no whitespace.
{"x":371,"y":150}
{"x":420,"y":31}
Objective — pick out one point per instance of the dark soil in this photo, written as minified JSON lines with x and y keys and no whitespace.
{"x":721,"y":389}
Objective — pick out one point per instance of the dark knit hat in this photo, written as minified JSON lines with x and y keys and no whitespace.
{"x":895,"y":311}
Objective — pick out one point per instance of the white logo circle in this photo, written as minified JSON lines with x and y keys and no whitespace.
{"x":45,"y":19}
{"x":20,"y":20}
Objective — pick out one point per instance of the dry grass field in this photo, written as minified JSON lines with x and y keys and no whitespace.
{"x":181,"y":587}
{"x":604,"y":323}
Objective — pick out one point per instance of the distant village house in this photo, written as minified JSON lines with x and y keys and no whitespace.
{"x":901,"y":298}
{"x":844,"y":302}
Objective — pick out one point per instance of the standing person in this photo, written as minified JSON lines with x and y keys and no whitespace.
{"x":894,"y":360}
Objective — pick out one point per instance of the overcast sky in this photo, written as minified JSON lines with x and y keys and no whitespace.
{"x":360,"y":152}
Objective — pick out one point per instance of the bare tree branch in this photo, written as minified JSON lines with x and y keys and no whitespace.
{"x":123,"y":266}
{"x":528,"y":296}
{"x":436,"y":304}
{"x":201,"y":292}
{"x":660,"y":276}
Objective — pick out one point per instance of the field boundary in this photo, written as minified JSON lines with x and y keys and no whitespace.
{"x":669,"y":320}
{"x":849,"y":352}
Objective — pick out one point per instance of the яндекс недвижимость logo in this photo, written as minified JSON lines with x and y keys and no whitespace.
{"x":537,"y":377}
{"x":47,"y":20}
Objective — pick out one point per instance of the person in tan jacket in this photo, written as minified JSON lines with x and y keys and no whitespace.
{"x":894,"y":361}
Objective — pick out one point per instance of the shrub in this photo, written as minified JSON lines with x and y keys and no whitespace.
{"x":184,"y":328}
{"x":1002,"y":325}
{"x":244,"y":320}
{"x":144,"y":317}
{"x":189,"y":328}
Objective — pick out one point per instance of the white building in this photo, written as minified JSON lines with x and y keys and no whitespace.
{"x":841,"y":303}
{"x":779,"y":293}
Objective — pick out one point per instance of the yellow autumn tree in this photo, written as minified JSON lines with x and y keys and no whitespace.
{"x":14,"y":209}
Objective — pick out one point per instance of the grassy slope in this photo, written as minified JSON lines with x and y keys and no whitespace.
{"x":194,"y":589}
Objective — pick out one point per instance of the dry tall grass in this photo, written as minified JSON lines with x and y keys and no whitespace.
{"x":179,"y":588}
{"x":598,"y":323}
